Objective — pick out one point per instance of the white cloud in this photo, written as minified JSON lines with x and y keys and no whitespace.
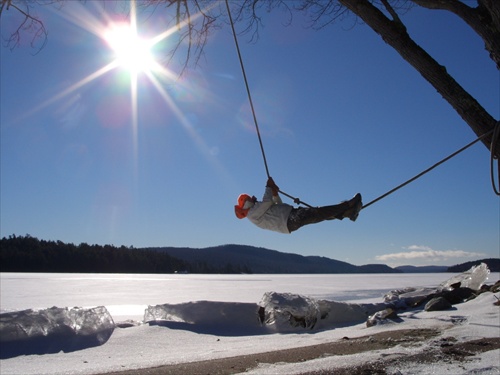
{"x":416,"y":252}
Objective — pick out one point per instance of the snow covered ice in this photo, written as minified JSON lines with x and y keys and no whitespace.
{"x":276,"y":312}
{"x":222,"y":316}
{"x":227,"y":318}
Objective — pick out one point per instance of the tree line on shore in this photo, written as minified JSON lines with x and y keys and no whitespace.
{"x":29,"y":254}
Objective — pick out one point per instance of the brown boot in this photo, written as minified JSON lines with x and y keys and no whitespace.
{"x":355,"y":205}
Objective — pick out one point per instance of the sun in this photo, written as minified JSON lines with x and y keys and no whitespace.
{"x":132,"y":53}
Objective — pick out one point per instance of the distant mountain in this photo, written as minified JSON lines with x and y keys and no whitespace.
{"x":377,"y":268}
{"x":261,"y":260}
{"x":422,"y":269}
{"x":492,"y":263}
{"x":29,"y":254}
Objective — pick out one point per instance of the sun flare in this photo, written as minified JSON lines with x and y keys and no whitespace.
{"x":132,"y":53}
{"x":138,"y":53}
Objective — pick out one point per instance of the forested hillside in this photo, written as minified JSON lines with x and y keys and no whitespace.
{"x":29,"y":254}
{"x":262,"y":260}
{"x":492,"y":263}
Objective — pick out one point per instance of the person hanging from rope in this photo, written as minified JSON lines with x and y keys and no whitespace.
{"x":272,"y":214}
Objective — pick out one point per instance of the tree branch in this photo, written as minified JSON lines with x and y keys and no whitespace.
{"x":464,"y":104}
{"x":484,"y":20}
{"x":393,"y":14}
{"x":29,"y":23}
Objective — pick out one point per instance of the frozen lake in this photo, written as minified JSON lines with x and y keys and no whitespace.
{"x":127,"y":295}
{"x":227,"y":326}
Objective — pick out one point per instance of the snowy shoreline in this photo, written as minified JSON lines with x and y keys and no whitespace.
{"x":351,"y":356}
{"x":440,"y":343}
{"x":397,"y":348}
{"x":143,"y":348}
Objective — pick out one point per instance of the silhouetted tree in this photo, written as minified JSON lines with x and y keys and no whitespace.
{"x":28,"y":254}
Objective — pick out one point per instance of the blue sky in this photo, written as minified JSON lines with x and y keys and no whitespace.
{"x":339,"y":112}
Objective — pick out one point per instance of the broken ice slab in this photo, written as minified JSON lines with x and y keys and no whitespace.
{"x":52,"y":330}
{"x":223,"y":318}
{"x":286,"y":310}
{"x":282,"y":312}
{"x":473,"y":278}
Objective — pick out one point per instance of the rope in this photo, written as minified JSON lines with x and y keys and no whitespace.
{"x":248,"y":89}
{"x":496,"y":134}
{"x":296,"y":200}
{"x":428,"y":169}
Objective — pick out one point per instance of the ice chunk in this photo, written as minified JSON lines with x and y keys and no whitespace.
{"x":276,"y":312}
{"x":204,"y":312}
{"x":226,"y":318}
{"x":408,"y":297}
{"x":334,"y":314}
{"x":52,"y":330}
{"x":285,"y":311}
{"x":473,"y":278}
{"x":412,"y":297}
{"x":382,"y":317}
{"x":162,"y":313}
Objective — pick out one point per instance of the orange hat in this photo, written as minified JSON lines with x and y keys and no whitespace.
{"x":242,"y":199}
{"x":241,"y":213}
{"x":239,"y":209}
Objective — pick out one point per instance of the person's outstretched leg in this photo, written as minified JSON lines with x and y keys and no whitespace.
{"x":303,"y":216}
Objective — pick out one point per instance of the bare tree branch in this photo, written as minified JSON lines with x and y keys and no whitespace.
{"x":393,"y":14}
{"x":30,"y":24}
{"x":323,"y":13}
{"x":484,"y":20}
{"x":464,"y":104}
